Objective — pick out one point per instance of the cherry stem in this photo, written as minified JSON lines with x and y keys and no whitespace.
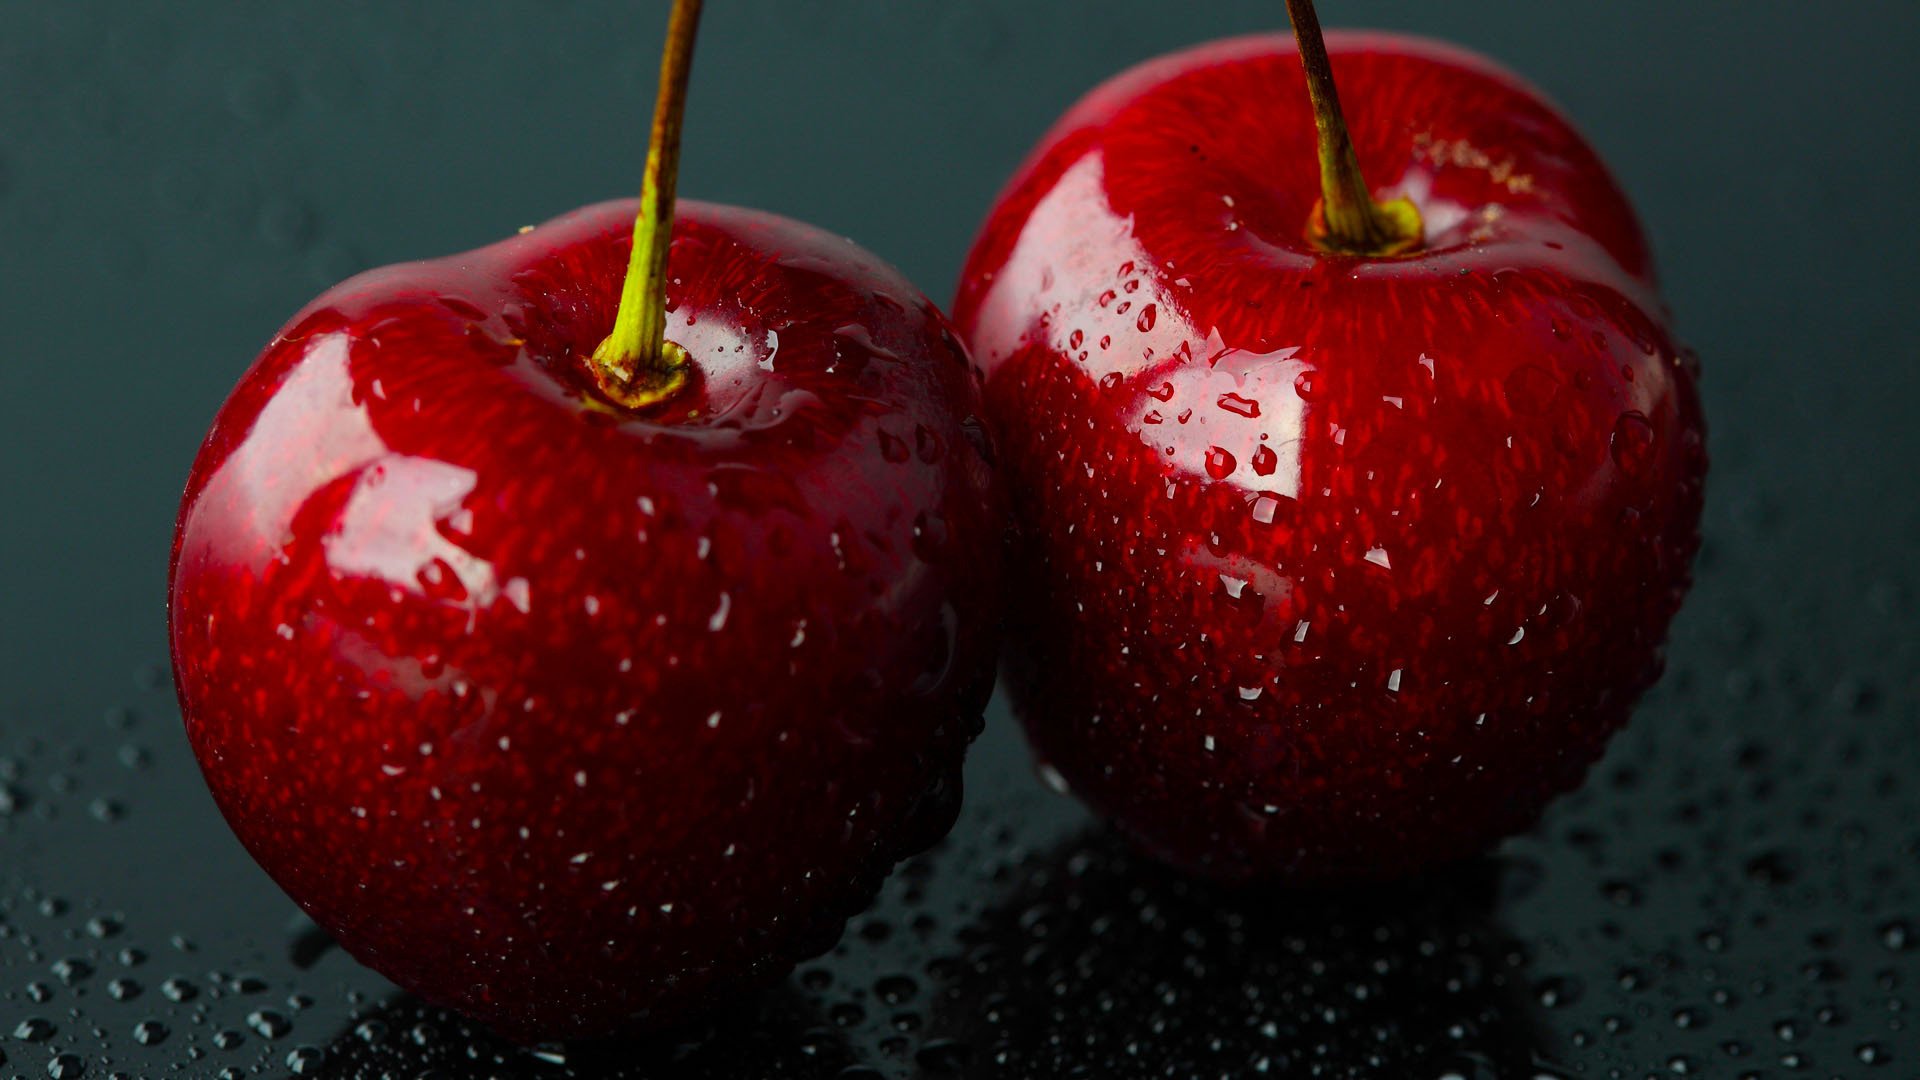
{"x":1347,"y":219}
{"x":636,"y":365}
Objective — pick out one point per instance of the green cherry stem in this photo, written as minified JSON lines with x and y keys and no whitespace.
{"x":1347,"y":220}
{"x":636,"y":365}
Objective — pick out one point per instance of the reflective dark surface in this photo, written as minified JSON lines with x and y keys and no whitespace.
{"x":1736,"y":889}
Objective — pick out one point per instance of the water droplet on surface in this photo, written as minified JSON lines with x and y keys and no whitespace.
{"x":1896,"y":935}
{"x":1774,"y":867}
{"x":1051,"y":777}
{"x":269,"y":1024}
{"x":1557,"y":991}
{"x":895,"y":989}
{"x":150,"y":1033}
{"x":1632,"y":443}
{"x":71,"y":970}
{"x":1530,"y":389}
{"x":892,"y":447}
{"x":1220,"y":463}
{"x":1239,"y":406}
{"x":943,"y":1056}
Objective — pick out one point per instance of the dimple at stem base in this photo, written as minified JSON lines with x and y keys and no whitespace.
{"x":1346,"y":220}
{"x":636,"y":366}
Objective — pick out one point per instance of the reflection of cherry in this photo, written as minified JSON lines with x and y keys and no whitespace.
{"x":1102,"y":964}
{"x":576,"y":680}
{"x":1348,"y":530}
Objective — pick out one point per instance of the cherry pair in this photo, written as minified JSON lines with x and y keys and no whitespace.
{"x":580,"y":628}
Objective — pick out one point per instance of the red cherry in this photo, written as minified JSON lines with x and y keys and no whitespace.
{"x":572,"y":716}
{"x":1332,"y":562}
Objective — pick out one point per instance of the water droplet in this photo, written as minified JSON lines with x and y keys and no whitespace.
{"x":944,"y":1055}
{"x":1147,"y":316}
{"x":1530,"y":389}
{"x":1051,"y":777}
{"x":1773,"y":868}
{"x":1557,"y":991}
{"x":1220,"y":463}
{"x":1632,"y":443}
{"x":892,"y":447}
{"x":72,"y":969}
{"x":1896,"y":935}
{"x":150,"y":1033}
{"x":1239,"y":406}
{"x":930,"y":535}
{"x":35,"y":1029}
{"x":269,"y":1024}
{"x":895,"y":989}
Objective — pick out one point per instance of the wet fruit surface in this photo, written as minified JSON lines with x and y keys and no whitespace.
{"x":1733,"y":892}
{"x":1329,"y":566}
{"x":575,"y":718}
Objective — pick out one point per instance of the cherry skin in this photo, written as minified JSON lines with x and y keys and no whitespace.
{"x":578,"y":719}
{"x":1328,"y":566}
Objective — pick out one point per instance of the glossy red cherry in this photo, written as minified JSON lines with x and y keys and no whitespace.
{"x":576,"y":715}
{"x":571,"y":718}
{"x":1332,"y":562}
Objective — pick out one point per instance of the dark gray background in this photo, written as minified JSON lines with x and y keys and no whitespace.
{"x":1738,"y":888}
